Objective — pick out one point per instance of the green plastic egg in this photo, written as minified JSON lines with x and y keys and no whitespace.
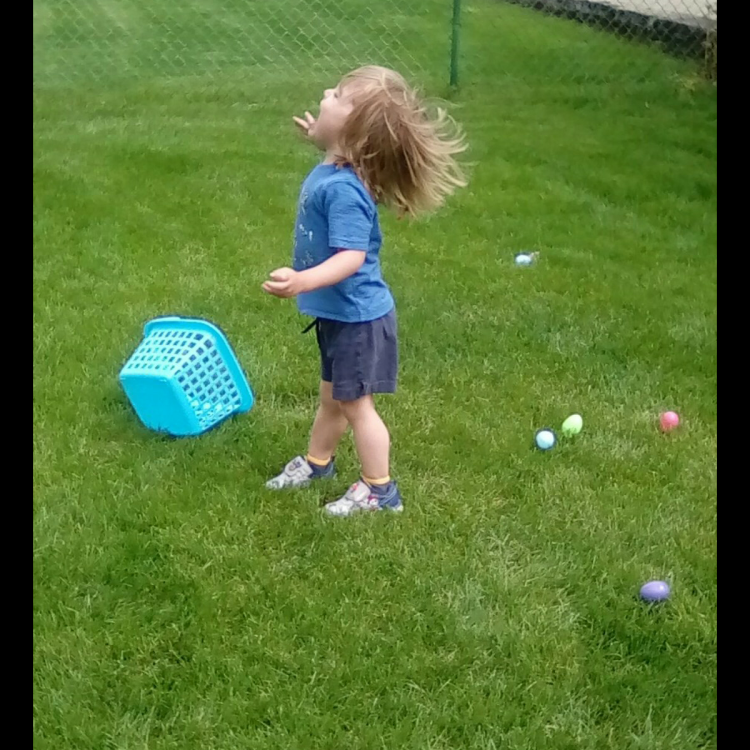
{"x":572,"y":425}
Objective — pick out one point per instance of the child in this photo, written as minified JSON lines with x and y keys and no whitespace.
{"x":381,"y":148}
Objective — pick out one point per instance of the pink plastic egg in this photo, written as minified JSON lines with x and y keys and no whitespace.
{"x":669,"y":421}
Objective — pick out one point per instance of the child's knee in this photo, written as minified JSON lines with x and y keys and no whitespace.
{"x":326,"y":397}
{"x":357,"y":409}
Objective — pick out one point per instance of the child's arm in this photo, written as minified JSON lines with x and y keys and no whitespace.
{"x":285,"y":282}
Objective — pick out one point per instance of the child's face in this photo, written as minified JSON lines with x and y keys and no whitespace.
{"x":335,"y":106}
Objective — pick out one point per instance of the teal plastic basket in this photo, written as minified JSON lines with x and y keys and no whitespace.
{"x":184,"y":378}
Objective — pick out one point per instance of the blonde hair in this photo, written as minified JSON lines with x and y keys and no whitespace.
{"x":400,"y":150}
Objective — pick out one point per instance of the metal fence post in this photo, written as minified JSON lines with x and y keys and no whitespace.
{"x":455,"y":35}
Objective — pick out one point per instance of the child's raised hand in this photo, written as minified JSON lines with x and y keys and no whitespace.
{"x":306,"y":124}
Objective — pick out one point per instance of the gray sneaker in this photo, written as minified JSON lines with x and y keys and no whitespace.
{"x":360,"y":497}
{"x":299,"y":473}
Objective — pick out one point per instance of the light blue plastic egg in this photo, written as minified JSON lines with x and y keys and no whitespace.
{"x":545,"y":439}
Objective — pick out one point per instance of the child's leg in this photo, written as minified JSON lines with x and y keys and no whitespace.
{"x":377,"y":491}
{"x":365,"y":361}
{"x":371,"y":439}
{"x":328,"y":428}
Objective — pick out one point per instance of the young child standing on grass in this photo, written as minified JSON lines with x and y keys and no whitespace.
{"x":381,"y":148}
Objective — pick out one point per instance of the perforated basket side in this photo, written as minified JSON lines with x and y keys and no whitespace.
{"x":208,"y":384}
{"x":161,"y":352}
{"x":209,"y":372}
{"x":184,"y":377}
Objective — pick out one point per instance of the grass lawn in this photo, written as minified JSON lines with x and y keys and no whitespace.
{"x":180,"y":606}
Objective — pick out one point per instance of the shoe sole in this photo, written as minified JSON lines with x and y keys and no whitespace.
{"x":398,"y":509}
{"x":302,"y":485}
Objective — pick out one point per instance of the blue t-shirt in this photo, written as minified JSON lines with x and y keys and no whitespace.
{"x":337,"y":213}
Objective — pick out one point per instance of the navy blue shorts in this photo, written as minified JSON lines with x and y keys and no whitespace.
{"x":359,"y":358}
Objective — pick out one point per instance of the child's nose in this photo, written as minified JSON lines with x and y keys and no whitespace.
{"x":327,"y":92}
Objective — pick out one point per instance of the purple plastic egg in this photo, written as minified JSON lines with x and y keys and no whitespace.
{"x":655,"y":591}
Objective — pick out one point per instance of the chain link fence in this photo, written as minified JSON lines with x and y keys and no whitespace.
{"x":101,"y":42}
{"x":685,"y":28}
{"x":553,"y":42}
{"x":88,"y":41}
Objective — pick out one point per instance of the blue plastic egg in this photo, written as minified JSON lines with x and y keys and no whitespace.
{"x":545,"y":439}
{"x":655,"y":591}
